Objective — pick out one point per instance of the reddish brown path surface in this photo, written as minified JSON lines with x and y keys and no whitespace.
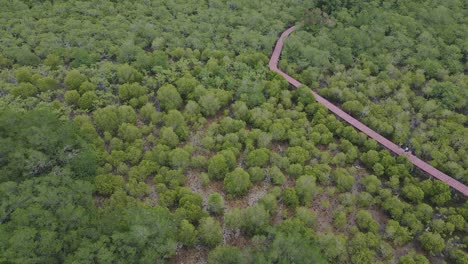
{"x":273,"y":64}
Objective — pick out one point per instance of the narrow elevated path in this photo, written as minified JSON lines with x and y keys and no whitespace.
{"x":273,"y":64}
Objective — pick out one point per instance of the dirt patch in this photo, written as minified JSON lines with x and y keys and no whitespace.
{"x":195,"y":184}
{"x":278,"y":218}
{"x":99,"y":200}
{"x":358,"y":173}
{"x":403,"y":250}
{"x":324,"y":213}
{"x":197,"y":255}
{"x":152,"y":198}
{"x":235,"y":238}
{"x":380,"y":217}
{"x":256,"y":192}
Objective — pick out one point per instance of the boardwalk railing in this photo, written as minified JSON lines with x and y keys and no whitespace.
{"x":273,"y":64}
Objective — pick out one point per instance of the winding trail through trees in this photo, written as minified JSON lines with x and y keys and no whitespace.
{"x":273,"y":64}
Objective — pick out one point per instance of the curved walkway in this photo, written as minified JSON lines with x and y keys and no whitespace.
{"x":273,"y":64}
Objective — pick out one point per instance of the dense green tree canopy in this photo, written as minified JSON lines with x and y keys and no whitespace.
{"x":39,"y":142}
{"x":401,"y":74}
{"x":153,"y":132}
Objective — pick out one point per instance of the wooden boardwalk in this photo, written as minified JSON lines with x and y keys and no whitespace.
{"x":273,"y":64}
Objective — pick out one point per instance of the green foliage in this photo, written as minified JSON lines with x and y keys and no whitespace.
{"x":343,"y":179}
{"x":24,"y":56}
{"x":339,"y":220}
{"x":354,"y":107}
{"x":143,"y":170}
{"x":199,"y":162}
{"x":277,"y":176}
{"x":158,"y":241}
{"x":227,"y":255}
{"x":413,"y":258}
{"x":186,"y":85}
{"x":23,"y":90}
{"x":179,"y":158}
{"x":424,"y":212}
{"x":432,"y":242}
{"x":371,"y":183}
{"x":210,"y":232}
{"x":251,"y":220}
{"x":220,"y":164}
{"x":437,"y":191}
{"x":109,"y":118}
{"x":366,"y":222}
{"x":215,"y":204}
{"x":53,"y":61}
{"x":148,"y":113}
{"x":339,"y":159}
{"x":413,"y":193}
{"x":293,"y":243}
{"x":187,"y":234}
{"x":189,"y":206}
{"x":269,"y":202}
{"x":297,"y":155}
{"x":290,"y":197}
{"x":209,"y":104}
{"x":458,"y":256}
{"x":161,"y":59}
{"x":129,"y":91}
{"x":169,"y":97}
{"x":365,"y":199}
{"x":333,"y":247}
{"x":168,"y":137}
{"x":129,"y":132}
{"x":237,"y":182}
{"x":304,"y":95}
{"x":370,"y":158}
{"x":53,"y":219}
{"x":127,"y":74}
{"x":4,"y":62}
{"x":394,"y":206}
{"x":362,"y":247}
{"x":458,"y":221}
{"x":137,"y":189}
{"x":416,"y":75}
{"x":107,"y":184}
{"x":184,"y":97}
{"x":448,"y":94}
{"x":23,"y":74}
{"x":87,"y":87}
{"x":38,"y":142}
{"x":176,"y":120}
{"x":256,"y":174}
{"x":88,"y":101}
{"x":74,"y":79}
{"x":409,"y":219}
{"x":295,"y":170}
{"x":82,"y":57}
{"x":258,"y":158}
{"x":306,"y":189}
{"x":307,"y":216}
{"x":46,"y":84}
